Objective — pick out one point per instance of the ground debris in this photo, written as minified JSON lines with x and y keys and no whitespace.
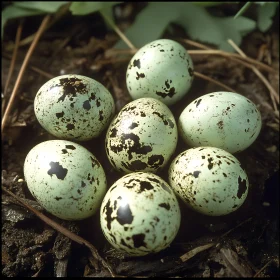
{"x":229,"y":264}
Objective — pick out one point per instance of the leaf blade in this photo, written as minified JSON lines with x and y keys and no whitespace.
{"x":84,"y":8}
{"x":149,"y":20}
{"x":265,"y":14}
{"x":47,"y":7}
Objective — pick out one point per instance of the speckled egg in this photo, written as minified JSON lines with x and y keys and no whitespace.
{"x":161,"y":69}
{"x":209,"y":180}
{"x":140,"y":214}
{"x":225,"y":120}
{"x":142,"y":137}
{"x":74,"y":107}
{"x":65,"y":178}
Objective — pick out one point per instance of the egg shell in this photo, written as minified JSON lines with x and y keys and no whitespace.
{"x":74,"y":107}
{"x":142,"y":137}
{"x":65,"y":178}
{"x":209,"y":180}
{"x":161,"y":69}
{"x":140,"y":214}
{"x":225,"y":120}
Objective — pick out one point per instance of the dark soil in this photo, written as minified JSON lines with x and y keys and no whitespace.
{"x":246,"y":241}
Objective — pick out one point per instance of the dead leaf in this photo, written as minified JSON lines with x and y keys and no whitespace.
{"x":233,"y":265}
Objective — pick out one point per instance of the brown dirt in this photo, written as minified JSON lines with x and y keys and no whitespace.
{"x":31,"y":247}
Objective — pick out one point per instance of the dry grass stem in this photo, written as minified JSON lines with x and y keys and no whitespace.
{"x":41,"y":72}
{"x":199,"y":75}
{"x":22,"y":69}
{"x":35,"y":69}
{"x":195,"y":44}
{"x":195,"y":251}
{"x":118,"y":31}
{"x":233,"y":55}
{"x":57,"y":16}
{"x":273,"y":94}
{"x":263,"y":268}
{"x":13,"y":60}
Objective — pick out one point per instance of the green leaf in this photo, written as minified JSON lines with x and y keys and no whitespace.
{"x":208,"y":4}
{"x":265,"y":14}
{"x":234,"y":29}
{"x":150,"y":23}
{"x":201,"y":26}
{"x":242,"y":10}
{"x":85,"y":8}
{"x":12,"y":11}
{"x":48,"y":7}
{"x":198,"y":23}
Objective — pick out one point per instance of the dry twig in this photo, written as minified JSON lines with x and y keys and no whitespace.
{"x":232,"y":56}
{"x":199,"y":75}
{"x":22,"y":69}
{"x":12,"y":65}
{"x":118,"y":31}
{"x":195,"y":251}
{"x":273,"y":94}
{"x":63,"y":230}
{"x":35,"y":69}
{"x":199,"y":249}
{"x":57,"y":16}
{"x":263,"y":268}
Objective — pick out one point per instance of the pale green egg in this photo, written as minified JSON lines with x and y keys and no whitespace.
{"x":74,"y":107}
{"x":225,"y":120}
{"x":161,"y":69}
{"x":65,"y":178}
{"x":140,"y":214}
{"x":142,"y":137}
{"x":209,"y":180}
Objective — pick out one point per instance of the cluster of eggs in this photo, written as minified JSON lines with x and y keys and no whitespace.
{"x":139,"y":213}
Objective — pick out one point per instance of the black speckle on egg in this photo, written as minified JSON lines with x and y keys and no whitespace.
{"x":94,"y":162}
{"x":191,"y":72}
{"x":198,"y":102}
{"x":124,"y":215}
{"x":58,"y":170}
{"x":165,"y":205}
{"x":136,"y":63}
{"x":210,"y":163}
{"x":168,"y":92}
{"x":140,"y":75}
{"x":133,"y":125}
{"x":59,"y":115}
{"x":138,"y":240}
{"x":135,"y":165}
{"x":155,"y":161}
{"x":125,"y":244}
{"x":196,"y":174}
{"x":101,"y":115}
{"x":162,"y":117}
{"x":145,"y":186}
{"x":220,"y":124}
{"x":109,"y":211}
{"x":70,"y":126}
{"x":86,"y":105}
{"x":242,"y":187}
{"x":70,"y":147}
{"x":137,"y":148}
